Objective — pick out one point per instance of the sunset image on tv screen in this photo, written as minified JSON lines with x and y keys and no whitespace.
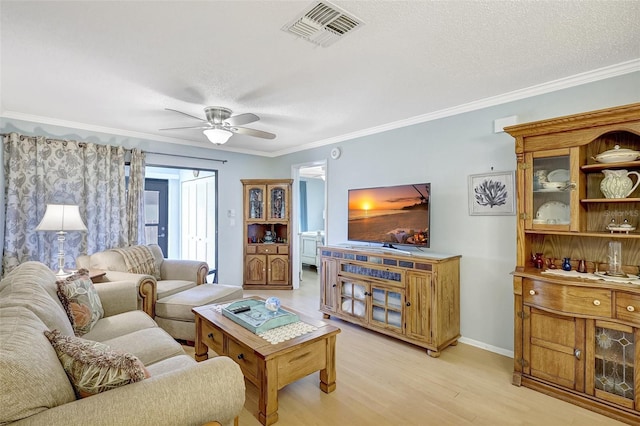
{"x":390,"y":215}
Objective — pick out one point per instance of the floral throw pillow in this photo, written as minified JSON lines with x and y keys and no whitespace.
{"x":81,"y":301}
{"x":92,"y":367}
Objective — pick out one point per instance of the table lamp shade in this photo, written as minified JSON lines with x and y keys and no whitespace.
{"x":61,"y":217}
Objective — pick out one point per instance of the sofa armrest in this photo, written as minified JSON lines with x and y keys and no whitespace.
{"x":212,"y":390}
{"x":146,"y":285}
{"x":176,"y":269}
{"x":117,"y":297}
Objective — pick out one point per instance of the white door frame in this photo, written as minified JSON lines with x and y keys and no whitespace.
{"x":295,"y":215}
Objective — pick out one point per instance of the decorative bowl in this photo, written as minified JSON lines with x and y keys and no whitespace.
{"x":617,"y":155}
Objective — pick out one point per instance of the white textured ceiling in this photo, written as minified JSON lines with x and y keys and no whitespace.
{"x":114,"y":66}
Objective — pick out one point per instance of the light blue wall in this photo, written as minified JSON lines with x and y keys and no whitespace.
{"x":444,"y":152}
{"x":315,"y":204}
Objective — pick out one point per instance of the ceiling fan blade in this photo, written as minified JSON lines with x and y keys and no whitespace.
{"x":253,"y":132}
{"x":184,"y":113}
{"x":240,"y":119}
{"x":188,"y":127}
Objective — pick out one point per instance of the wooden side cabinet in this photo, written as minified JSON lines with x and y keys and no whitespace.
{"x":577,"y":334}
{"x":415,"y":298}
{"x":267,"y":234}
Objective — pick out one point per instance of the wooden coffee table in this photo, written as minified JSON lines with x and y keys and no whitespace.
{"x":269,"y":366}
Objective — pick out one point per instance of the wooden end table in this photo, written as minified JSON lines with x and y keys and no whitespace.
{"x":269,"y":366}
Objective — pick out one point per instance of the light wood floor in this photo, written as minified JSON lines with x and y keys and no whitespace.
{"x":382,"y":381}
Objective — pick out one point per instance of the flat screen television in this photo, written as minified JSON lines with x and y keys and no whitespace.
{"x":390,"y":215}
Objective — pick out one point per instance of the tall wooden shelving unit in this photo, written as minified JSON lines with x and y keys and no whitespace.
{"x":577,"y":337}
{"x":267,"y":234}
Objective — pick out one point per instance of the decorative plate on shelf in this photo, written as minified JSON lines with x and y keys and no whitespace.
{"x":554,"y":211}
{"x":558,"y":175}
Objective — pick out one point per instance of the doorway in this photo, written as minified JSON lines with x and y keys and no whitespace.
{"x":156,"y":199}
{"x":185,"y":202}
{"x":308,"y":216}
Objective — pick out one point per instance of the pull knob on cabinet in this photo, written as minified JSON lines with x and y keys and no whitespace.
{"x":532,"y":292}
{"x":630,"y":308}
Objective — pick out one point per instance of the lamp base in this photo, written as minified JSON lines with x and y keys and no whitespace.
{"x":63,"y":274}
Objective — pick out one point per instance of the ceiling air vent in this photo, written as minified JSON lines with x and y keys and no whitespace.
{"x":322,"y":23}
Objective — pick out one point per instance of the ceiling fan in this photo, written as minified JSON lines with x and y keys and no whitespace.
{"x":219,"y":125}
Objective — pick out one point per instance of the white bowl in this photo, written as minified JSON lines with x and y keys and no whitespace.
{"x":617,"y":155}
{"x":554,"y":185}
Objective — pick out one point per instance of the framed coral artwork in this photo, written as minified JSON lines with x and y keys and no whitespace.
{"x":492,"y":194}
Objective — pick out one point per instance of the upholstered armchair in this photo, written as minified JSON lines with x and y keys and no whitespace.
{"x":155,"y":276}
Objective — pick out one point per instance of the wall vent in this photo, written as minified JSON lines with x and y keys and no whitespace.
{"x":322,"y":23}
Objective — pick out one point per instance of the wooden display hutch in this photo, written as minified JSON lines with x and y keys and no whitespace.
{"x":577,"y":336}
{"x":415,"y":298}
{"x":267,"y":234}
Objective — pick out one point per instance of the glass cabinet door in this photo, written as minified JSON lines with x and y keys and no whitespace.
{"x":386,"y":307}
{"x":615,"y":358}
{"x":551,"y":182}
{"x":255,"y":199}
{"x":353,"y":298}
{"x":278,"y":208}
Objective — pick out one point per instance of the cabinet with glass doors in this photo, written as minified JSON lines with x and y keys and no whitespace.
{"x":576,"y":281}
{"x":267,"y":234}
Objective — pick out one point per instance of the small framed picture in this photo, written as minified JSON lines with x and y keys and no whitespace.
{"x":492,"y":194}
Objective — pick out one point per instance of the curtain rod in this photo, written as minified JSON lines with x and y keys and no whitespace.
{"x":156,"y":153}
{"x":187,"y":156}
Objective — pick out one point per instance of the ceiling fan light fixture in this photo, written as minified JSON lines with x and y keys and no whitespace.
{"x":217,"y":136}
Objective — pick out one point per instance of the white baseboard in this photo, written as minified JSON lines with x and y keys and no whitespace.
{"x":484,"y":346}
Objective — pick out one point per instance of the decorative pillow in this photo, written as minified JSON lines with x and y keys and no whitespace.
{"x":81,"y":301}
{"x":92,"y":367}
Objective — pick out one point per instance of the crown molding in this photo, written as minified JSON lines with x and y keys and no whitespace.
{"x":540,"y":89}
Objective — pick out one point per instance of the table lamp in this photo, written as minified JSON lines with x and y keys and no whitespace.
{"x":61,"y":218}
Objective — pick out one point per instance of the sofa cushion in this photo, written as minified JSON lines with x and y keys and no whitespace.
{"x":31,"y":377}
{"x":81,"y":301}
{"x":158,"y":257}
{"x":171,"y":364}
{"x":150,"y":345}
{"x":169,"y":287}
{"x":92,"y":367}
{"x":33,"y":286}
{"x":178,"y":306}
{"x":119,"y":325}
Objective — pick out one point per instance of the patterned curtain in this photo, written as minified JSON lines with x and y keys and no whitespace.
{"x":41,"y":171}
{"x":135,"y":199}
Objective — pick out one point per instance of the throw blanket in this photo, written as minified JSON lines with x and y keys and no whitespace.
{"x":139,"y":260}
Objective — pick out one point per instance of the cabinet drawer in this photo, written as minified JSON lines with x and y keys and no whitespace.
{"x":245,"y":358}
{"x":628,"y":307}
{"x":251,"y":249}
{"x":568,"y":299}
{"x":267,"y":249}
{"x":212,"y":337}
{"x":283,"y":249}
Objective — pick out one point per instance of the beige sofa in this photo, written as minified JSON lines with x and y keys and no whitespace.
{"x":175,"y":275}
{"x":170,"y":297}
{"x":35,"y":389}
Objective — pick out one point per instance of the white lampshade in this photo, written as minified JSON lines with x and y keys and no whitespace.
{"x":61,"y":217}
{"x":217,"y":136}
